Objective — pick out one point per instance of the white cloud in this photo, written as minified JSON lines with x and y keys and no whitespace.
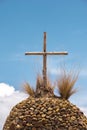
{"x":6,"y":90}
{"x":8,"y":98}
{"x":84,"y":109}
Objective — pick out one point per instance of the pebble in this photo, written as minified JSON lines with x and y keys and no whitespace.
{"x":45,"y":114}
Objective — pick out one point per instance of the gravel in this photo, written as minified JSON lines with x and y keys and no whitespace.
{"x":46,"y":113}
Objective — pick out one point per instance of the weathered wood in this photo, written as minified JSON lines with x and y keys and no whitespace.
{"x":44,"y":54}
{"x":44,"y":62}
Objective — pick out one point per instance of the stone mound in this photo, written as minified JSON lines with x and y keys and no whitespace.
{"x":45,"y":114}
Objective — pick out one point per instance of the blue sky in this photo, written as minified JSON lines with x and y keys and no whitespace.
{"x":22,"y":23}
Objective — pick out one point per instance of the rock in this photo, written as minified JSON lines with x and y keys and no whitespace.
{"x":45,"y":114}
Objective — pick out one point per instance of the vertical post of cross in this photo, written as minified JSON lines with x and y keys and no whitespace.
{"x":44,"y":63}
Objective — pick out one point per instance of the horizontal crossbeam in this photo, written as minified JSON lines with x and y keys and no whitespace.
{"x":46,"y":53}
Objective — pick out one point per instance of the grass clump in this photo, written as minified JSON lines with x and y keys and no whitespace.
{"x":42,"y":90}
{"x":66,"y":82}
{"x":65,"y":85}
{"x":29,"y":90}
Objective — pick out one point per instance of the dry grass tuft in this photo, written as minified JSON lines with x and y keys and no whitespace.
{"x":40,"y":86}
{"x":66,"y":82}
{"x":50,"y":86}
{"x":65,"y":85}
{"x":39,"y":82}
{"x":40,"y":89}
{"x":29,"y":90}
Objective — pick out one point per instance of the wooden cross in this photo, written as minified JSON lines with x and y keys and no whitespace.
{"x":44,"y":54}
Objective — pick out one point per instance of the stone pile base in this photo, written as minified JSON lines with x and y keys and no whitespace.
{"x":45,"y":114}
